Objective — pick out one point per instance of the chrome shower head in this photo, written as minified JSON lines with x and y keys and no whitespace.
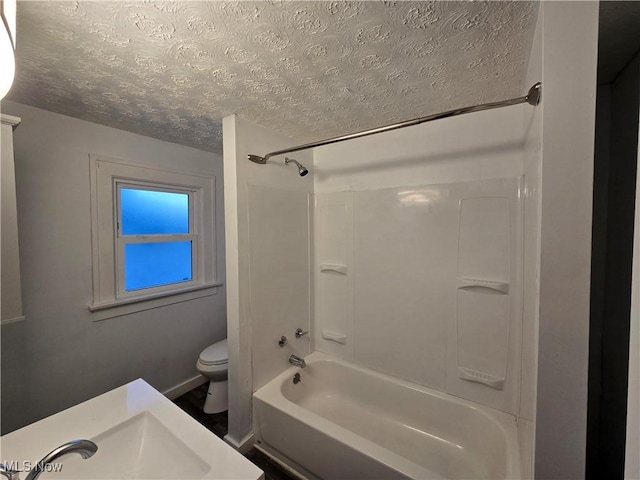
{"x":301,"y":169}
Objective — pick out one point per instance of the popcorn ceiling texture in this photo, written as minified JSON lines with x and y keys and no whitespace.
{"x":306,"y":69}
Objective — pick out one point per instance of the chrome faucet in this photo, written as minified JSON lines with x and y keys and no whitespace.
{"x":85,"y":448}
{"x":297,"y":361}
{"x":300,"y":333}
{"x":8,"y":472}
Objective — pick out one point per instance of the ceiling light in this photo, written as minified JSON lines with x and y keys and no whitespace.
{"x":7,"y":45}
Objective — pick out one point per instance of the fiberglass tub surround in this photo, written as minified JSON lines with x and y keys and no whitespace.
{"x":372,"y":425}
{"x":417,"y":275}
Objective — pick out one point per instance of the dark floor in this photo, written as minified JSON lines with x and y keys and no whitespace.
{"x":192,"y":402}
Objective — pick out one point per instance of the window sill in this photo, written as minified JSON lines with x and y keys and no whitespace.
{"x":117,"y":308}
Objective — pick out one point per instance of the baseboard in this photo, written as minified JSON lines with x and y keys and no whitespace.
{"x":243,"y":446}
{"x":286,"y":467}
{"x":182,"y":388}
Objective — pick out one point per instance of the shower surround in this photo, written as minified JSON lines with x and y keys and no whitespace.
{"x":401,"y":252}
{"x":442,"y":254}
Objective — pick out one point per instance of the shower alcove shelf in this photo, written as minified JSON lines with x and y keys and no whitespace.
{"x":487,"y":245}
{"x":335,"y":269}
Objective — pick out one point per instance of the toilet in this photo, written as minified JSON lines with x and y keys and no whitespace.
{"x":212,"y":363}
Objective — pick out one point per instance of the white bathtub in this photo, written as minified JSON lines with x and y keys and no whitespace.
{"x":346,"y":422}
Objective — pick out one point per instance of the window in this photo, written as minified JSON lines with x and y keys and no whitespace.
{"x":153,"y":239}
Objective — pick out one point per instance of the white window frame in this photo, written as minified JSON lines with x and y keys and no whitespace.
{"x":110,"y":299}
{"x":123,"y":240}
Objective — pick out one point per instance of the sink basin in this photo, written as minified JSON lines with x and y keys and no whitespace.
{"x":141,"y":447}
{"x":139,"y":434}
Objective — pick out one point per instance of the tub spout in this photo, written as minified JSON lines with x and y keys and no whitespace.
{"x":296,"y":360}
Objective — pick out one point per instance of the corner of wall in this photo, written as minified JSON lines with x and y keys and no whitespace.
{"x":570,"y":35}
{"x":268,"y":294}
{"x":532,"y":165}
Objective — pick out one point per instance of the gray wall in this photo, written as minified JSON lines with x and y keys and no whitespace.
{"x":58,"y":356}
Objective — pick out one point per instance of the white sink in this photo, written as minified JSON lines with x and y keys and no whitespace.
{"x":139,"y":433}
{"x":141,"y":447}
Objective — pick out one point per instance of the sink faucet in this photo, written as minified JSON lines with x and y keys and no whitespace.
{"x":8,"y":472}
{"x":85,"y":448}
{"x":296,"y":360}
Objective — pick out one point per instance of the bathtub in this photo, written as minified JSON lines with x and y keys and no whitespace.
{"x":342,"y":421}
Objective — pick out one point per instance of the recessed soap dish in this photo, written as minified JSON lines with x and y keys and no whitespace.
{"x":480,"y":377}
{"x":328,"y":268}
{"x":334,"y":336}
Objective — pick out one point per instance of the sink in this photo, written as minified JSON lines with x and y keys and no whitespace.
{"x":139,"y":433}
{"x":141,"y":447}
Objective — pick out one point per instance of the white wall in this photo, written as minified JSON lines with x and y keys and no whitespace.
{"x":531,"y":259}
{"x":466,"y":148}
{"x":388,"y":208}
{"x":58,"y":356}
{"x":267,"y":231}
{"x":570,"y":36}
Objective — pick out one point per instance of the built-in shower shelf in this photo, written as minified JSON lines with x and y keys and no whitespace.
{"x":334,"y":336}
{"x":481,"y":377}
{"x":329,"y":268}
{"x":478,"y":285}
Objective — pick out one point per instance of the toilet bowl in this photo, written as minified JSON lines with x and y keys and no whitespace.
{"x":212,"y":364}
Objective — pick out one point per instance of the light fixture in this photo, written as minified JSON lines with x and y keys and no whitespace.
{"x":7,"y":45}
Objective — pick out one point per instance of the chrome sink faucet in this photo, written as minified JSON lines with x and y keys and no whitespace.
{"x":85,"y":448}
{"x":297,"y":361}
{"x":8,"y":472}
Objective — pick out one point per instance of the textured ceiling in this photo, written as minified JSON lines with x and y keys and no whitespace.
{"x":309,"y":70}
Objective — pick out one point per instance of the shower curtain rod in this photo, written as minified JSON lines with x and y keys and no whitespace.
{"x":532,"y":98}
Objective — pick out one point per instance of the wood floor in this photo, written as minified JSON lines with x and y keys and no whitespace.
{"x":192,"y":402}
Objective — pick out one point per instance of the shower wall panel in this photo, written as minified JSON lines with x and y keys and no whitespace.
{"x":485,"y":339}
{"x":279,"y":283}
{"x":332,"y":332}
{"x":403,"y":273}
{"x":431,"y":292}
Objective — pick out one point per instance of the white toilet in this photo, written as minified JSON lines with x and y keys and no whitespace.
{"x":212,"y":363}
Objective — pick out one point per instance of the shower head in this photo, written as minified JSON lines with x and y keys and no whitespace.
{"x":301,"y":169}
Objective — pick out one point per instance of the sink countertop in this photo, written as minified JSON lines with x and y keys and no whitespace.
{"x":100,"y":414}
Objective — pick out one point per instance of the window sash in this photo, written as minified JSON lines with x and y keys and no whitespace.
{"x":139,"y":185}
{"x":123,"y":240}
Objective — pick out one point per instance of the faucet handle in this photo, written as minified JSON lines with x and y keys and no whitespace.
{"x":9,"y":472}
{"x":300,"y":333}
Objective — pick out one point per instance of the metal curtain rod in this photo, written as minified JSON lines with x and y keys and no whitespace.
{"x":532,"y":98}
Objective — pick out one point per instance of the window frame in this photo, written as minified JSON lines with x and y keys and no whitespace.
{"x":110,"y":299}
{"x":122,"y":240}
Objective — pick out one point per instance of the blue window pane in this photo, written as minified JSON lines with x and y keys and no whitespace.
{"x":148,"y":212}
{"x":152,"y":264}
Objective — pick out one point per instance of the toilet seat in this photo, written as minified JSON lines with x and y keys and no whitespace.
{"x":215,"y":354}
